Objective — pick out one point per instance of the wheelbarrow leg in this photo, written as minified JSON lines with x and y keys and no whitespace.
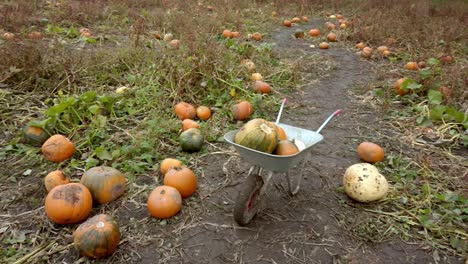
{"x":294,"y":181}
{"x":248,"y":202}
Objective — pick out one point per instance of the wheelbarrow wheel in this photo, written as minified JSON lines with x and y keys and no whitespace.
{"x":248,"y":202}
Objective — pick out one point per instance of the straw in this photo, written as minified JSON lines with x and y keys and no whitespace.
{"x":281,"y":111}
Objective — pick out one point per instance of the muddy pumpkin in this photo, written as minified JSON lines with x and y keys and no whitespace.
{"x":183,"y":179}
{"x":363,"y":182}
{"x":191,"y":140}
{"x":55,"y":178}
{"x":97,"y":237}
{"x":285,"y":148}
{"x":68,"y":203}
{"x":261,"y":87}
{"x":105,"y":183}
{"x":258,"y":134}
{"x":58,"y":148}
{"x":185,"y":110}
{"x":164,"y":202}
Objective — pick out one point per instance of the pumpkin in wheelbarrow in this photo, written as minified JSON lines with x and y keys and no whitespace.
{"x":258,"y":134}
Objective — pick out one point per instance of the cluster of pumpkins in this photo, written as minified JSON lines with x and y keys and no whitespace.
{"x":268,"y":137}
{"x":71,"y":202}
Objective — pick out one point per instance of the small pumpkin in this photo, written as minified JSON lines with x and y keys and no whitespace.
{"x":8,"y":36}
{"x":256,"y":77}
{"x":398,"y":89}
{"x":169,"y":163}
{"x":370,"y":152}
{"x":97,"y":237}
{"x":261,"y":87}
{"x":299,"y":34}
{"x":314,"y":32}
{"x":296,"y":20}
{"x":183,"y":179}
{"x":164,"y":202}
{"x":422,"y":64}
{"x":185,"y":110}
{"x":203,"y":112}
{"x":363,"y":182}
{"x":236,"y":34}
{"x":305,"y":19}
{"x":330,"y":26}
{"x":366,"y":52}
{"x":105,"y":183}
{"x":55,"y":178}
{"x":274,"y":14}
{"x":381,"y":49}
{"x":412,"y":66}
{"x":242,"y":110}
{"x":331,"y":37}
{"x":360,"y":45}
{"x":58,"y":148}
{"x":286,"y":147}
{"x":257,"y":36}
{"x":258,"y":134}
{"x":191,"y":140}
{"x":68,"y":203}
{"x":287,"y":23}
{"x":324,"y":45}
{"x":175,"y":43}
{"x":35,"y":135}
{"x":35,"y":35}
{"x":168,"y":37}
{"x":386,"y":53}
{"x":189,"y":123}
{"x":343,"y":25}
{"x":227,"y":33}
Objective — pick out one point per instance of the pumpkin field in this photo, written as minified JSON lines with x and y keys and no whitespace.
{"x":129,"y":131}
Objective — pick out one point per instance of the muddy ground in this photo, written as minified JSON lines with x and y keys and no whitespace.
{"x":314,"y":226}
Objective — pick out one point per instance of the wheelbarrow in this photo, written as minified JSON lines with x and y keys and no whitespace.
{"x":264,"y":165}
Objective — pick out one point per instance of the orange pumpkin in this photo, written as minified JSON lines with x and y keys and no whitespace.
{"x":55,"y":178}
{"x":370,"y":152}
{"x":256,"y":76}
{"x":339,"y":16}
{"x":287,"y":23}
{"x":296,"y":20}
{"x":97,"y":237}
{"x":305,"y":19}
{"x":286,"y":147}
{"x":386,"y":53}
{"x":35,"y":35}
{"x":412,"y":66}
{"x":236,"y":34}
{"x":324,"y":45}
{"x":227,"y":33}
{"x":366,"y":52}
{"x":261,"y":87}
{"x":185,"y":110}
{"x":446,"y":59}
{"x":280,"y":132}
{"x":105,"y":183}
{"x":242,"y":110}
{"x":58,"y":148}
{"x":164,"y":202}
{"x":256,"y":36}
{"x":203,"y":112}
{"x":314,"y":32}
{"x":183,"y":179}
{"x":169,"y":163}
{"x":175,"y":43}
{"x":35,"y":135}
{"x":360,"y":45}
{"x":398,"y":89}
{"x":189,"y":123}
{"x":68,"y":203}
{"x":331,"y":37}
{"x":330,"y":26}
{"x":422,"y":64}
{"x":381,"y":49}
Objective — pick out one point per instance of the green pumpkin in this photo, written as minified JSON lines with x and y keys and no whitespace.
{"x":191,"y":140}
{"x":35,"y":135}
{"x":105,"y":183}
{"x":258,"y":134}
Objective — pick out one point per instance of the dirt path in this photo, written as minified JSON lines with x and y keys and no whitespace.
{"x":309,"y":227}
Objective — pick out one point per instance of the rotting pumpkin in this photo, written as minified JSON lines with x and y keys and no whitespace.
{"x":105,"y":183}
{"x":97,"y":237}
{"x":68,"y":203}
{"x":191,"y":140}
{"x":58,"y":148}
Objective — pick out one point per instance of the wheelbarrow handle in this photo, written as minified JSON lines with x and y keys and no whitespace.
{"x":336,"y":113}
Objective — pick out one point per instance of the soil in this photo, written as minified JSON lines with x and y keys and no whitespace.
{"x":313,"y":226}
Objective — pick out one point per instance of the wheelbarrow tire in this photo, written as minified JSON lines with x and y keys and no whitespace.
{"x":248,"y":202}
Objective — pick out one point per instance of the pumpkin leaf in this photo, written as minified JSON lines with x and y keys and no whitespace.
{"x":88,"y":96}
{"x":437,"y":112}
{"x":60,"y":108}
{"x":102,"y":153}
{"x":433,"y":61}
{"x":458,"y":116}
{"x":425,"y":73}
{"x":434,"y":96}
